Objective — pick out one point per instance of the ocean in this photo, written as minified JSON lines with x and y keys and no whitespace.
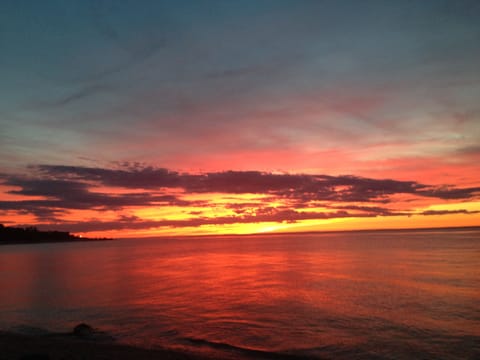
{"x":345,"y":295}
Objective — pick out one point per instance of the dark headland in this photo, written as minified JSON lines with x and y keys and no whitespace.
{"x":31,"y":235}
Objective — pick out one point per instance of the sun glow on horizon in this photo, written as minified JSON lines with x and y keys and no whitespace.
{"x":282,"y":209}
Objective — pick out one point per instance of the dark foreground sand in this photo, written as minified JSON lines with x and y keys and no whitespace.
{"x":64,"y":347}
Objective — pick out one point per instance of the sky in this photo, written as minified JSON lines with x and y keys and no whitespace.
{"x":141,"y":118}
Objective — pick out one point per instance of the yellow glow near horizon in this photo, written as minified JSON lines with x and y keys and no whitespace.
{"x":468,"y":206}
{"x":209,"y":210}
{"x":339,"y":224}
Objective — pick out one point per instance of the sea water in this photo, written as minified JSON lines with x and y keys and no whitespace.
{"x":371,"y":295}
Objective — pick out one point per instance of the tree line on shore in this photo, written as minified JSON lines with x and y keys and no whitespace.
{"x":31,"y":234}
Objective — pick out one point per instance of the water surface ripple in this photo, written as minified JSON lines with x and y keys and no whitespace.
{"x":372,"y":295}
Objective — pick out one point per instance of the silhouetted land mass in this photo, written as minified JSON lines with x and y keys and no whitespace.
{"x":31,"y":235}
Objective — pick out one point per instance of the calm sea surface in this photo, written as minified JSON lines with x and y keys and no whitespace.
{"x":380,"y":295}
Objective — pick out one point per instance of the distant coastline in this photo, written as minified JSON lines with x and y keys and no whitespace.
{"x":283,"y":233}
{"x":31,"y":235}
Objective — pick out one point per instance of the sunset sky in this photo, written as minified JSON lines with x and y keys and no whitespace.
{"x":143,"y":118}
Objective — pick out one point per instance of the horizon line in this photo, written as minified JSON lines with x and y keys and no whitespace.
{"x":279,"y":233}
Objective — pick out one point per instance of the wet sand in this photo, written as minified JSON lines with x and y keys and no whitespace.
{"x":58,"y":347}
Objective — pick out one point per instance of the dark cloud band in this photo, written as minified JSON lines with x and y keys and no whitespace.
{"x":61,"y":189}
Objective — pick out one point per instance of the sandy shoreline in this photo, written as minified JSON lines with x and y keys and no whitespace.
{"x":63,"y":347}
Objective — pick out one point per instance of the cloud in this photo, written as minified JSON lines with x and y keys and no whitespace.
{"x":79,"y":94}
{"x":469,"y":150}
{"x":47,"y":187}
{"x":234,"y":72}
{"x":130,"y":176}
{"x":368,"y":209}
{"x":60,"y":189}
{"x":136,"y":223}
{"x":139,"y":42}
{"x":448,"y":212}
{"x":58,"y":195}
{"x":304,"y":187}
{"x":234,"y":182}
{"x":43,"y":210}
{"x":451,"y":193}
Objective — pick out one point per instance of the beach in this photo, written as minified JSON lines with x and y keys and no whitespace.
{"x":68,"y":347}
